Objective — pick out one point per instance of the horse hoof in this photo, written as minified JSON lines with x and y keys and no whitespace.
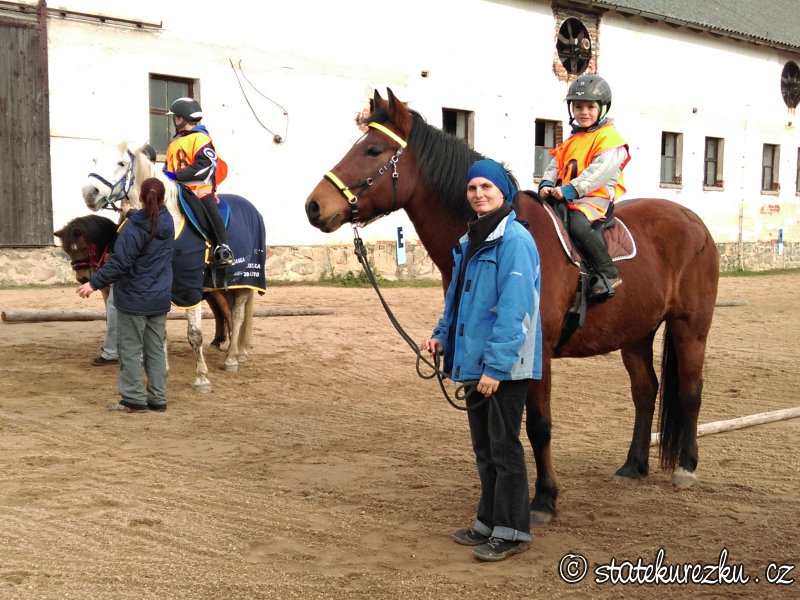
{"x":683,"y":479}
{"x":242,"y":358}
{"x":202,"y":388}
{"x":540,"y":518}
{"x":625,"y":479}
{"x":231,"y":368}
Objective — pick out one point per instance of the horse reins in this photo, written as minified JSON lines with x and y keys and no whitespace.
{"x":463,"y":389}
{"x":347,"y":190}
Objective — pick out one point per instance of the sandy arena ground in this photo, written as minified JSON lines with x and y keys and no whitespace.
{"x":325,"y":468}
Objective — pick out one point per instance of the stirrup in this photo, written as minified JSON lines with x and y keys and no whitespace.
{"x":601,"y":288}
{"x":223,"y":256}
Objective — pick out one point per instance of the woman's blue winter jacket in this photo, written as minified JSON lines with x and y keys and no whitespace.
{"x":496,"y":327}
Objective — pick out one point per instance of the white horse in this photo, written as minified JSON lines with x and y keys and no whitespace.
{"x":126,"y":170}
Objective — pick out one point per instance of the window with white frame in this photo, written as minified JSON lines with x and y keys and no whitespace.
{"x":770,"y":160}
{"x":671,"y":157}
{"x":458,"y":123}
{"x":548,"y":135}
{"x":164,"y":90}
{"x":712,"y":163}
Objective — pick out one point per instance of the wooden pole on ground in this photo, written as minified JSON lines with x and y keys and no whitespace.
{"x":41,"y":316}
{"x":740,"y":422}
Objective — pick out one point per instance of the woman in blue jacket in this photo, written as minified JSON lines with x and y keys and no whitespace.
{"x":490,"y":335}
{"x":140,"y":267}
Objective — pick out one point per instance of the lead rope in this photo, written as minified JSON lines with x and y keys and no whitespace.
{"x":464,"y":389}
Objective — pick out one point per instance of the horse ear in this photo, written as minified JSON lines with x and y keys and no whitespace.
{"x":377,"y":101}
{"x":398,"y":113}
{"x":60,"y":233}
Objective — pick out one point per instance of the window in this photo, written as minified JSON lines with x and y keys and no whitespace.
{"x":458,"y":123}
{"x":163,"y":91}
{"x":574,"y":46}
{"x":770,"y":159}
{"x":671,"y":157}
{"x":712,"y":173}
{"x":547,"y":136}
{"x":797,"y":175}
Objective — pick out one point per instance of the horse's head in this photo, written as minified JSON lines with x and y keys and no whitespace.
{"x":87,"y":241}
{"x":368,"y":182}
{"x":115,"y":178}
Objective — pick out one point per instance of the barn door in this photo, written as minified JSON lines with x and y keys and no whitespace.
{"x":26,"y":205}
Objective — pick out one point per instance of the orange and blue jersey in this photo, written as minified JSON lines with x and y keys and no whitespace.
{"x":195,"y":163}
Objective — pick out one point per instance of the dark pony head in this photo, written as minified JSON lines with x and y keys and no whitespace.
{"x":152,"y":199}
{"x":87,"y":240}
{"x":442,"y":158}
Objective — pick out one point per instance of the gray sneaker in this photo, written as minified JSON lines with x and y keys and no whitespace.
{"x":499,"y":549}
{"x":469,"y":537}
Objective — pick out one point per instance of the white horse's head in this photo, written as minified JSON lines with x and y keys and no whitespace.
{"x":118,"y":175}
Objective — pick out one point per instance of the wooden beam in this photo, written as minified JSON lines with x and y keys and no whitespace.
{"x":42,"y":316}
{"x":740,"y":422}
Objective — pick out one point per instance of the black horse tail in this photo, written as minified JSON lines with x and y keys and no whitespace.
{"x":670,"y":420}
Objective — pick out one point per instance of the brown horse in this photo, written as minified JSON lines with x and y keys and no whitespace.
{"x":672,"y":279}
{"x":87,"y":241}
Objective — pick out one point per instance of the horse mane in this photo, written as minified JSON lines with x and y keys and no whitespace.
{"x":143,"y":169}
{"x":443,"y":161}
{"x":100,"y":231}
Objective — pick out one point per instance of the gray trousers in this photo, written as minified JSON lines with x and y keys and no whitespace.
{"x":110,"y":343}
{"x":142,"y":336}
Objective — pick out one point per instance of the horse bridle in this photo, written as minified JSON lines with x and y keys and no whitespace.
{"x":347,"y":190}
{"x":121,"y":188}
{"x":94,"y":259}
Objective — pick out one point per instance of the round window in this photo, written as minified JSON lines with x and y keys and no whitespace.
{"x":574,"y":46}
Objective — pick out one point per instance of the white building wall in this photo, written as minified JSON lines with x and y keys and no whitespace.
{"x":321,"y":60}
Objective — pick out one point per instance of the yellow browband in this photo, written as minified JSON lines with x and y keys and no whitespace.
{"x":390,"y":133}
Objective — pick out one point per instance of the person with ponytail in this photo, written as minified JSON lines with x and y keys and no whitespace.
{"x":140,"y":267}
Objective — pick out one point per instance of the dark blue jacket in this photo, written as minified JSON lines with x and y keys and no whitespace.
{"x":140,"y":269}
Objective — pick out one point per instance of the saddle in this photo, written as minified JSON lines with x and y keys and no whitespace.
{"x":611,"y":231}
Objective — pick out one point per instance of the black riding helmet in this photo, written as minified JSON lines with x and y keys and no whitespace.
{"x":187,"y":108}
{"x":593,"y":88}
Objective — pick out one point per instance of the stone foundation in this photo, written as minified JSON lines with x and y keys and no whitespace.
{"x":50,"y":266}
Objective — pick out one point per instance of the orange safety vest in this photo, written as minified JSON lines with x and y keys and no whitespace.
{"x":182,"y":152}
{"x":578,"y":152}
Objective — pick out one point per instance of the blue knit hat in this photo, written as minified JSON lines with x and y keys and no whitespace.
{"x":494,"y":172}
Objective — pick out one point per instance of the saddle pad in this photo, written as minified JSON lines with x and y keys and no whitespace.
{"x":619,"y":241}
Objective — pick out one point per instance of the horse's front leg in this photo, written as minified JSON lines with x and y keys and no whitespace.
{"x":638,"y":360}
{"x":235,"y":345}
{"x":194,"y":334}
{"x":538,"y":425}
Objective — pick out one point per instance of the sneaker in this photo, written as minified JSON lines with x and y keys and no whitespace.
{"x":102,"y":361}
{"x":223,"y":256}
{"x":499,"y":549}
{"x":469,"y":537}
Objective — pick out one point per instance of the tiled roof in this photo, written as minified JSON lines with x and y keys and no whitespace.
{"x":770,"y":22}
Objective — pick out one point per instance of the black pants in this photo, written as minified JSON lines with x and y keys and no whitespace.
{"x":504,"y":505}
{"x":588,"y":240}
{"x":207,"y":213}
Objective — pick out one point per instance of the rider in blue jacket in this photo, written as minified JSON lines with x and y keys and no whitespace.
{"x":490,"y":335}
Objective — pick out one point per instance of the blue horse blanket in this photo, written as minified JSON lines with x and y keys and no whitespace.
{"x":247,"y":239}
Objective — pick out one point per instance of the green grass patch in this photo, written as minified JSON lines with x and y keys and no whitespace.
{"x":760,"y":273}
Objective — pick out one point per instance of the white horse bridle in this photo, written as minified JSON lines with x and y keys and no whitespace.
{"x":121,"y":188}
